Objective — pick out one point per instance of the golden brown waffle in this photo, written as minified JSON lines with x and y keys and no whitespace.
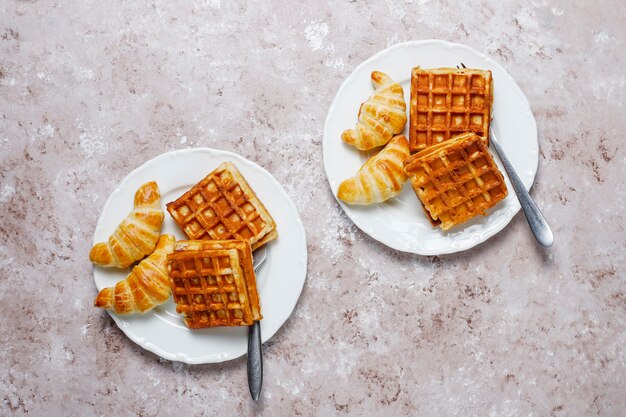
{"x":446,"y":102}
{"x":245,"y":261}
{"x":223,"y":206}
{"x":209,"y":288}
{"x":456,"y":180}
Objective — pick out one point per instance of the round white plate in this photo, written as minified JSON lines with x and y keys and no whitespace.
{"x":279,"y":279}
{"x":400,"y":222}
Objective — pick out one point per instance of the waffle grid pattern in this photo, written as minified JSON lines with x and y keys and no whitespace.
{"x":219,"y":208}
{"x":245,"y":262}
{"x":448,"y":102}
{"x":209,"y":288}
{"x":458,"y":181}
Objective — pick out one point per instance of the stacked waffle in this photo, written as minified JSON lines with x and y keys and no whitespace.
{"x":211,"y":275}
{"x":452,"y":172}
{"x":213,"y":283}
{"x":446,"y":158}
{"x":456,"y":180}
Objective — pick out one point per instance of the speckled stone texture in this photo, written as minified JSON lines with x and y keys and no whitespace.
{"x":89,"y":90}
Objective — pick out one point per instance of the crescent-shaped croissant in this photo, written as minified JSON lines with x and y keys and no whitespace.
{"x":136,"y":236}
{"x":380,"y":178}
{"x":381,"y":117}
{"x":146,"y":287}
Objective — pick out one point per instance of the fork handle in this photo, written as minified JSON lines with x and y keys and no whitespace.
{"x":255,"y":360}
{"x":536,"y":221}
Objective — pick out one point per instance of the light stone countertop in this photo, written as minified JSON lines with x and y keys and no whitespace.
{"x":89,"y":90}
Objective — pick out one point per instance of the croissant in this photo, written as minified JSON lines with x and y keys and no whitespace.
{"x":136,"y":235}
{"x":146,"y":287}
{"x":380,"y":178}
{"x":381,"y":117}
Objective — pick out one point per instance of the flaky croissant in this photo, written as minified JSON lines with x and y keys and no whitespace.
{"x":380,"y":178}
{"x":136,"y":235}
{"x":381,"y":117}
{"x":146,"y":287}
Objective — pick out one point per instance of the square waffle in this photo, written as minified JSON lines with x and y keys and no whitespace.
{"x":210,"y":288}
{"x":446,"y":102}
{"x":456,"y":180}
{"x":223,"y":206}
{"x":245,"y":261}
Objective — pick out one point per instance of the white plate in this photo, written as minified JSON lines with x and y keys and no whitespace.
{"x":280,"y":278}
{"x":400,"y":223}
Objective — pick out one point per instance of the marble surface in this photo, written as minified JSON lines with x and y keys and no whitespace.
{"x":89,"y":90}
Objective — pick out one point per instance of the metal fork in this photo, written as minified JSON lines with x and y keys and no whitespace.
{"x":538,"y":224}
{"x":255,"y":356}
